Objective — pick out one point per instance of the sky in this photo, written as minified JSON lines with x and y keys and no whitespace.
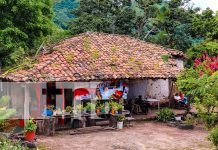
{"x":213,"y":4}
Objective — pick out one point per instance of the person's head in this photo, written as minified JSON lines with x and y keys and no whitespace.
{"x":176,"y":94}
{"x":105,"y":88}
{"x":140,"y":97}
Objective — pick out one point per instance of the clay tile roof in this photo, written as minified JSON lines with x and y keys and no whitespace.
{"x":100,"y":56}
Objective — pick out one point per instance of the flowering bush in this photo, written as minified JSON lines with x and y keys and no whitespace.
{"x":206,"y":65}
{"x":200,"y":84}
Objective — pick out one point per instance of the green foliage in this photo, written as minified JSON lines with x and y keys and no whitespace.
{"x":189,"y":120}
{"x":79,"y":107}
{"x":6,"y":144}
{"x":30,"y":125}
{"x":214,"y":136}
{"x":62,"y":9}
{"x":5,"y":113}
{"x":90,"y":106}
{"x":165,"y":58}
{"x":119,"y":107}
{"x":202,"y":90}
{"x":196,"y":51}
{"x":206,"y":24}
{"x":102,"y":16}
{"x":113,"y":105}
{"x":24,"y":24}
{"x":69,"y":109}
{"x":165,"y":115}
{"x":121,"y":118}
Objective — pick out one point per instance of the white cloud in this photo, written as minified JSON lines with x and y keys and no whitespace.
{"x":203,"y":4}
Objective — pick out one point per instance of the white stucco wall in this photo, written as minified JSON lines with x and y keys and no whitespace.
{"x":158,"y":89}
{"x":180,"y":64}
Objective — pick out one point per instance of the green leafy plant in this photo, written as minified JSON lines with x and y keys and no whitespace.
{"x":121,"y":118}
{"x":79,"y":107}
{"x":30,"y":125}
{"x":200,"y":84}
{"x":90,"y":106}
{"x":95,"y":54}
{"x":165,"y":58}
{"x":190,"y":120}
{"x":119,"y":107}
{"x":5,"y":113}
{"x":165,"y":115}
{"x":113,"y":105}
{"x":213,"y":137}
{"x":69,"y":109}
{"x":6,"y":144}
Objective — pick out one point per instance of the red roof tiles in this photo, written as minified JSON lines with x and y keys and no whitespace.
{"x":100,"y":56}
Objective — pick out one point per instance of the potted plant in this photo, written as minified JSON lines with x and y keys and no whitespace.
{"x":120,"y":120}
{"x":102,"y":107}
{"x":30,"y":130}
{"x":69,"y":109}
{"x":113,"y":107}
{"x":79,"y":108}
{"x":120,"y":108}
{"x":98,"y":109}
{"x":89,"y":107}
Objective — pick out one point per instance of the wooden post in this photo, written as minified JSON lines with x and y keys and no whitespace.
{"x":26,"y":102}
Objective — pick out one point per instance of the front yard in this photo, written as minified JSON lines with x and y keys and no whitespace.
{"x":142,"y":136}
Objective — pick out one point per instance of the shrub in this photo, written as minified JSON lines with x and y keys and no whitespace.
{"x":213,"y":137}
{"x":6,"y":144}
{"x":69,"y":109}
{"x":90,"y":106}
{"x":30,"y":126}
{"x":164,"y":115}
{"x":120,"y":118}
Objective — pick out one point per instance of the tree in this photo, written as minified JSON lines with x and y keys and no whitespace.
{"x":205,"y":25}
{"x":200,"y":84}
{"x":175,"y":31}
{"x":102,"y":16}
{"x":62,"y":10}
{"x":24,"y":24}
{"x":196,"y":51}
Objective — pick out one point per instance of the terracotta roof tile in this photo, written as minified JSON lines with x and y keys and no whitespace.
{"x":100,"y":56}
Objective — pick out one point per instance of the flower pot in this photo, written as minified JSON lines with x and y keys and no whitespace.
{"x":120,"y":111}
{"x":113,"y":111}
{"x":54,"y":113}
{"x":98,"y":111}
{"x":120,"y":125}
{"x":29,"y":136}
{"x":103,"y":110}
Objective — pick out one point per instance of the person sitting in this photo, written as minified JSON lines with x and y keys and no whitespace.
{"x":144,"y":106}
{"x":180,"y":98}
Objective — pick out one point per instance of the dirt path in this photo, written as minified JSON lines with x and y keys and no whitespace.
{"x":143,"y":136}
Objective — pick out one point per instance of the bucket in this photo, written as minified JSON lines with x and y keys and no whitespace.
{"x":119,"y":125}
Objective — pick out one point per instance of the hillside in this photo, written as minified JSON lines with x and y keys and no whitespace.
{"x":62,"y":10}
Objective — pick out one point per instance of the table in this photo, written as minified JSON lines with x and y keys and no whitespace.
{"x":153,"y":100}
